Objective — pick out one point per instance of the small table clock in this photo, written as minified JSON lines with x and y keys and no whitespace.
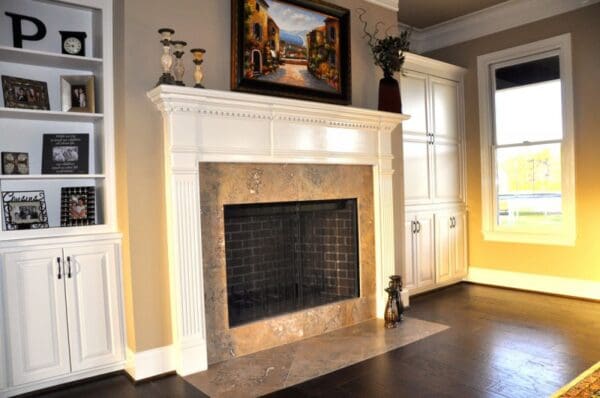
{"x":73,"y":43}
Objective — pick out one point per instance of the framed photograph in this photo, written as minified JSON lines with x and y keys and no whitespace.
{"x":15,"y":163}
{"x":77,"y":93}
{"x":291,"y":48}
{"x":65,"y":154}
{"x":24,"y":210}
{"x":77,"y":206}
{"x":24,"y":93}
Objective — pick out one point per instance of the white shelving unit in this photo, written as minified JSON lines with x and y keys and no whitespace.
{"x":61,"y":302}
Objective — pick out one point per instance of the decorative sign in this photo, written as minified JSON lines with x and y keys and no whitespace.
{"x":24,"y":210}
{"x":65,"y":154}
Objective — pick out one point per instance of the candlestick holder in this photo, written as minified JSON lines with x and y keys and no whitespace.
{"x":178,"y":68}
{"x":166,"y":59}
{"x":198,"y":60}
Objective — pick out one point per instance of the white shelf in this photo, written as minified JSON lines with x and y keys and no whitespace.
{"x":48,"y":59}
{"x":34,"y":114}
{"x":52,"y":176}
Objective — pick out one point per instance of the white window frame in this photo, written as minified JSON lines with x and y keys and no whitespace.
{"x":566,"y":235}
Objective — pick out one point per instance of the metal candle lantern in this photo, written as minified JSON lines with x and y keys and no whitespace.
{"x":166,"y":59}
{"x":178,"y":68}
{"x":198,"y":54}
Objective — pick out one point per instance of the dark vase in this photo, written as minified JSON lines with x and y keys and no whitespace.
{"x":389,"y":95}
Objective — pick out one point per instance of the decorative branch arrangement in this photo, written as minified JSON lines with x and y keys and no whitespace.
{"x":388,"y":52}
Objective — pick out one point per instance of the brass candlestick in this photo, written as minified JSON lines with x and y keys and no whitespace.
{"x":178,"y":68}
{"x":166,"y":59}
{"x":198,"y":60}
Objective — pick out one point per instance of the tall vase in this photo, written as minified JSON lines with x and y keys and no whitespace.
{"x":389,"y":94}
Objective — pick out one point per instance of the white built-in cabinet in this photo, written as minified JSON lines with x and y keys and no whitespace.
{"x":61,"y":301}
{"x":435,"y":233}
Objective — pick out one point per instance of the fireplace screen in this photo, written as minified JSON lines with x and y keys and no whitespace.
{"x":284,"y":257}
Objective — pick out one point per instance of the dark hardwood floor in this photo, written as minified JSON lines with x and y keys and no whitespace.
{"x":501,"y":343}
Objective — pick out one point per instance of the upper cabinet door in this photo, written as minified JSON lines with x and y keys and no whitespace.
{"x":413,"y":89}
{"x":445,"y":109}
{"x":447,"y":177}
{"x":38,"y":342}
{"x":93,"y":297}
{"x":417,"y":171}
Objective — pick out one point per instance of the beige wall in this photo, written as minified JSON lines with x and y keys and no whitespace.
{"x":583,"y":260}
{"x":203,"y":24}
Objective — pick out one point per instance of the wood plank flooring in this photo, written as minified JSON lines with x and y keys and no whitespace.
{"x":501,"y":343}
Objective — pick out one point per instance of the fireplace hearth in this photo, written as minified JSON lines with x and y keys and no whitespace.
{"x":288,"y":256}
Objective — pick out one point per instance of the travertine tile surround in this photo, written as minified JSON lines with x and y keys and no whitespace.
{"x":230,"y":183}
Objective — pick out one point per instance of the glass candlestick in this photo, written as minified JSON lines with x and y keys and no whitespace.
{"x":198,"y":60}
{"x":166,"y":59}
{"x":178,"y":68}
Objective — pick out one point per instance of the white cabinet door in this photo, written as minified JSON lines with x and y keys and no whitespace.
{"x":447,"y":181}
{"x":445,"y":108}
{"x":93,"y":306}
{"x":413,"y":91}
{"x":409,"y":276}
{"x":38,"y":342}
{"x":444,"y":261}
{"x":459,"y":243}
{"x":417,"y":169}
{"x":425,"y":251}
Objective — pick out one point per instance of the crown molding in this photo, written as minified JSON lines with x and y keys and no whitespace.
{"x":389,"y":4}
{"x":491,"y":20}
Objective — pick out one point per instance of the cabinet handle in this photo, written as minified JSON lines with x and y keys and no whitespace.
{"x":69,"y":274}
{"x":418,"y":227}
{"x":59,"y":269}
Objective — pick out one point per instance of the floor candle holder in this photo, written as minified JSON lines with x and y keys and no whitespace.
{"x":166,"y":59}
{"x":198,"y":54}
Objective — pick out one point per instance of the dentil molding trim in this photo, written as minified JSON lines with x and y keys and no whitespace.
{"x":490,"y":20}
{"x":534,"y":282}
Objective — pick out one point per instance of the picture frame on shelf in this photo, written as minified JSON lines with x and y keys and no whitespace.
{"x":77,"y":206}
{"x":15,"y":163}
{"x":77,"y":93}
{"x":291,"y":48}
{"x":65,"y":154}
{"x":24,"y":210}
{"x":25,"y":93}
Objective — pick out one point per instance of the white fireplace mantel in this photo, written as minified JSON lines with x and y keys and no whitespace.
{"x":221,"y":126}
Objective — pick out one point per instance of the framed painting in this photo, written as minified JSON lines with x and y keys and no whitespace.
{"x":291,"y":48}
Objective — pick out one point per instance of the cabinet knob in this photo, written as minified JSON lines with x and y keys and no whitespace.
{"x":59,"y":268}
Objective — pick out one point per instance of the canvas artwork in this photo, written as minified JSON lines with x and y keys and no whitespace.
{"x":292,"y":48}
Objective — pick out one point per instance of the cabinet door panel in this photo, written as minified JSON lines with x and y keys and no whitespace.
{"x":445,"y":108}
{"x":93,"y":307}
{"x":408,"y":278}
{"x":425,"y":252}
{"x":413,"y":91}
{"x":38,"y":343}
{"x":417,"y":187}
{"x":447,"y":172}
{"x":444,"y":248}
{"x":460,"y":244}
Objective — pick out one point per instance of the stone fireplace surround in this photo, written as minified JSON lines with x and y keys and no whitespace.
{"x":207,"y":126}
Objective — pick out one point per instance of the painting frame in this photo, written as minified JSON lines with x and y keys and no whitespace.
{"x":17,"y":203}
{"x":24,"y":93}
{"x":338,"y":77}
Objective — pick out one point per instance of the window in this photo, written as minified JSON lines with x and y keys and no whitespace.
{"x":258,"y":31}
{"x":332,"y":34}
{"x":526,"y":123}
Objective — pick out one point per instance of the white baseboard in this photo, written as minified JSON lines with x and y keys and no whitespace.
{"x":145,"y":364}
{"x":534,"y":282}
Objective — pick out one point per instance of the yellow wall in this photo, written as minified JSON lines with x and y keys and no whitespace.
{"x":583,"y":260}
{"x":140,"y":185}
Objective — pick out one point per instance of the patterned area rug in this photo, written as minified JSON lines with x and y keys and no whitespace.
{"x":586,"y":385}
